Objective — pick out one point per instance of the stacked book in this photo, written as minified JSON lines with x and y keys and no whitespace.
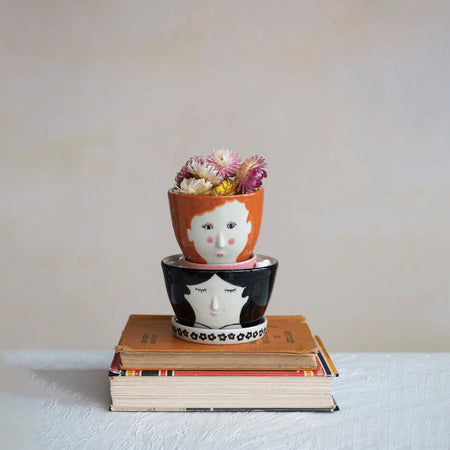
{"x":286,"y":370}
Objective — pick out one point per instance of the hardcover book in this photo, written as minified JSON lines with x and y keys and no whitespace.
{"x":148,"y":342}
{"x":219,"y":390}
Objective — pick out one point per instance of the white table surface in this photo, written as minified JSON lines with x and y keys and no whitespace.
{"x":60,"y":399}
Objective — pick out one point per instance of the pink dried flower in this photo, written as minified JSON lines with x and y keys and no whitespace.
{"x":250,"y":174}
{"x":184,"y":172}
{"x":224,"y":161}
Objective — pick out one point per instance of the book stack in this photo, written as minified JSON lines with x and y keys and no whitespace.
{"x":286,"y":370}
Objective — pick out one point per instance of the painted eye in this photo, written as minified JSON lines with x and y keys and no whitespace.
{"x":208,"y":226}
{"x":230,"y":290}
{"x":231,"y":225}
{"x":200,"y":290}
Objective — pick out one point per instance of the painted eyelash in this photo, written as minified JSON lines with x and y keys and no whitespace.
{"x":200,"y":290}
{"x":231,"y":225}
{"x":208,"y":226}
{"x":230,"y":290}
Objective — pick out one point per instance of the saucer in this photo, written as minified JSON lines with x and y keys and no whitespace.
{"x":218,"y":337}
{"x":248,"y":264}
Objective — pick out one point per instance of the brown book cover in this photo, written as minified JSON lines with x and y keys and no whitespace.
{"x":147,"y":342}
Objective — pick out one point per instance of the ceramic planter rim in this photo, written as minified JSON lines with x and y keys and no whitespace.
{"x":251,"y":269}
{"x":172,"y":192}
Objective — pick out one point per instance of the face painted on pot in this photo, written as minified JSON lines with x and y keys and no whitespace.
{"x":220,"y":236}
{"x":216,"y":303}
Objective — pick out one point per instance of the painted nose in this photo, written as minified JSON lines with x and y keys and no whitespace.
{"x":220,"y":240}
{"x":214,"y":304}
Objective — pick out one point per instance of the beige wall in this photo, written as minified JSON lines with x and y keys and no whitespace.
{"x":101,"y":103}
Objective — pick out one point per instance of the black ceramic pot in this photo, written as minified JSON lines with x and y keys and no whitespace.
{"x":219,"y":299}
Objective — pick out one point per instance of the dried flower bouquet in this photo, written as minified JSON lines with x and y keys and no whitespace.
{"x":220,"y":173}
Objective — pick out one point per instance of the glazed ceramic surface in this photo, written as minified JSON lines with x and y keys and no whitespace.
{"x":216,"y":229}
{"x":219,"y":299}
{"x":224,"y":337}
{"x":248,"y":264}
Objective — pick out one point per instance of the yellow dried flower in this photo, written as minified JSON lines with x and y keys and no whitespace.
{"x":226,"y":187}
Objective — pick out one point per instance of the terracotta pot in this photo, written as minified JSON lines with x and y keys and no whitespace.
{"x":219,"y":299}
{"x":216,"y":229}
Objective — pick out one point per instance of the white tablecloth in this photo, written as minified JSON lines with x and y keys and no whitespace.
{"x":60,"y":400}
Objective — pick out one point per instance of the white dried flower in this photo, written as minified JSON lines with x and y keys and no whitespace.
{"x":206,"y":171}
{"x":194,"y":186}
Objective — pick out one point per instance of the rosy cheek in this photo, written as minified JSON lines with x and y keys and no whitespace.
{"x":231,"y":241}
{"x":210,"y":240}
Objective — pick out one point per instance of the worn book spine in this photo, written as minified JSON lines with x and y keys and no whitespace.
{"x":324,"y":370}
